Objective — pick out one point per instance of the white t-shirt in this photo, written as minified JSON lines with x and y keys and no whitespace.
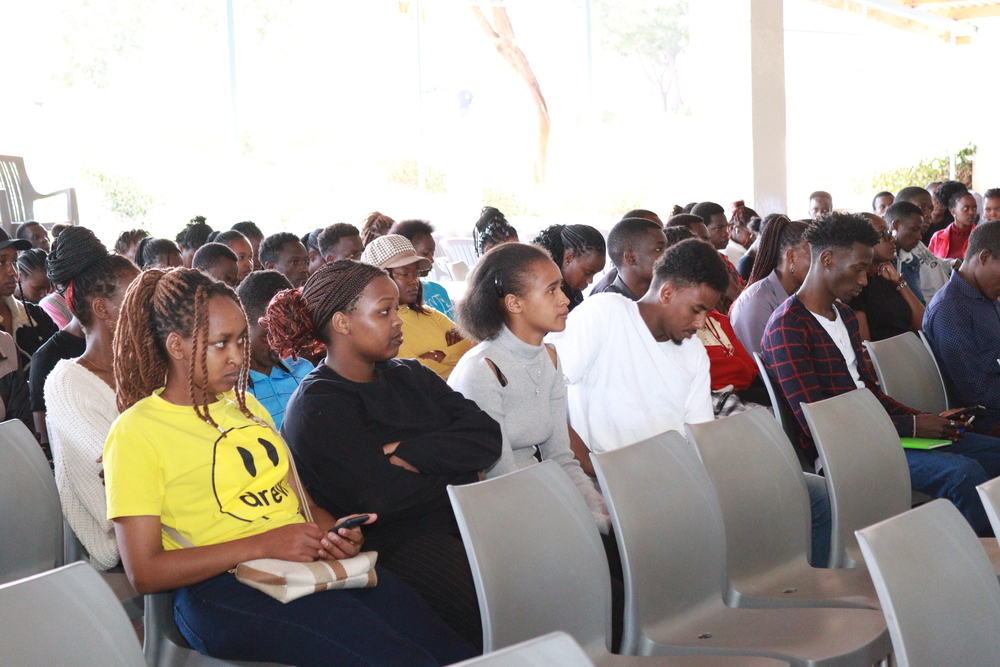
{"x":623,"y":385}
{"x":838,"y":332}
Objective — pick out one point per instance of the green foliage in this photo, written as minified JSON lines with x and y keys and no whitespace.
{"x":926,"y":171}
{"x":124,"y":196}
{"x":97,"y":33}
{"x":508,"y":202}
{"x":617,"y":202}
{"x":656,"y":32}
{"x":405,"y":172}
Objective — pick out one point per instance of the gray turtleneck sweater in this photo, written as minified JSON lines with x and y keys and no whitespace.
{"x":531,"y":409}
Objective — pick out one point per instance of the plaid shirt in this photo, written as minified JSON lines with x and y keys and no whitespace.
{"x":809,"y":367}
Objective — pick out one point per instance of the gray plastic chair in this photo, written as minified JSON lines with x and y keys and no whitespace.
{"x":539,"y":566}
{"x":66,"y":616}
{"x":672,"y":541}
{"x":930,"y":351}
{"x":31,"y":521}
{"x":940,"y":595}
{"x":781,"y":414}
{"x":556,"y":649}
{"x":908,"y":372}
{"x":766,"y":511}
{"x":865,"y":467}
{"x":989,"y":492}
{"x":21,"y":196}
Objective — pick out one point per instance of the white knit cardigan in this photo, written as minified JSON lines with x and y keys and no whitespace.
{"x":80,"y":410}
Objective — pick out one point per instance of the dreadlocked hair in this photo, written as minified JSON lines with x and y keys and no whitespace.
{"x":296,"y":318}
{"x":779,"y":235}
{"x":157,"y":303}
{"x":81,"y":264}
{"x":375,"y":225}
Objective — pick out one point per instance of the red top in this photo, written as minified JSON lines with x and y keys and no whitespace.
{"x":951,"y":242}
{"x":730,"y":363}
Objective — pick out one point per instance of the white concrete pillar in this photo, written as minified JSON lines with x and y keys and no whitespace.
{"x":737,"y":56}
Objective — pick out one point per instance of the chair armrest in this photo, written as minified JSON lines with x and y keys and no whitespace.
{"x":71,"y":210}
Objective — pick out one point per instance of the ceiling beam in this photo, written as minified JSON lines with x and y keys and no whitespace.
{"x":966,"y":13}
{"x":934,"y":26}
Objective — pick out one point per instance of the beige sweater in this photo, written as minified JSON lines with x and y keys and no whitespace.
{"x":81,"y":409}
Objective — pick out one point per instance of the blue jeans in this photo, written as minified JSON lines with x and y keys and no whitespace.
{"x":368,"y":627}
{"x":822,"y":519}
{"x":954,"y":472}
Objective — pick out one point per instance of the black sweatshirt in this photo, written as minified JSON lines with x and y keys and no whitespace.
{"x":336,"y":429}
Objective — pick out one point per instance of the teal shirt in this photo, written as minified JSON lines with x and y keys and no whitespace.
{"x":436,"y":296}
{"x":273,"y":391}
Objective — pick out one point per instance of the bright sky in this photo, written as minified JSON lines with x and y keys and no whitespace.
{"x":328,"y":103}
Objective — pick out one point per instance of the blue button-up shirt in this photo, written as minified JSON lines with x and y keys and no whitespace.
{"x":273,"y":391}
{"x":963,"y":328}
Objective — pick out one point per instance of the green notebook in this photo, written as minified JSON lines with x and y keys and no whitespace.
{"x":924,"y":443}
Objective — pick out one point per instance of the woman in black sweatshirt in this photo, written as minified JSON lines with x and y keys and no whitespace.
{"x":371,"y":433}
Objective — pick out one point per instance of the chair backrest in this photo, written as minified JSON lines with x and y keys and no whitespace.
{"x":31,"y":522}
{"x":908,"y":373}
{"x":556,"y":649}
{"x":459,"y":271}
{"x":865,"y":467}
{"x":533,"y":546}
{"x":460,"y":250}
{"x":761,"y":491}
{"x":781,"y":412}
{"x":20,"y":194}
{"x":67,"y":616}
{"x":937,"y":587}
{"x":989,"y":492}
{"x":669,"y":530}
{"x":927,"y":346}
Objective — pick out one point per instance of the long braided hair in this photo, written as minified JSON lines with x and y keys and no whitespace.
{"x":375,"y":225}
{"x":779,"y":235}
{"x":157,"y":303}
{"x":296,"y":318}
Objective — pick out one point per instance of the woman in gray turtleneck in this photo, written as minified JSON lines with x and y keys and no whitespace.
{"x":514,"y":298}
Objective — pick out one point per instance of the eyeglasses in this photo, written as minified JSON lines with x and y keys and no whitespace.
{"x":886,"y":235}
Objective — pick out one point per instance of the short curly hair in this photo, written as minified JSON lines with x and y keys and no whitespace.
{"x":328,"y":239}
{"x":690,"y":263}
{"x":840,"y":230}
{"x":274,"y":244}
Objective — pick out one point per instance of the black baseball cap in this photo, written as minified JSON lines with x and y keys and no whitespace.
{"x":19,"y":244}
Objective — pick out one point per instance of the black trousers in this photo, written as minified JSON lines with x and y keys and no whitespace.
{"x":437,"y":567}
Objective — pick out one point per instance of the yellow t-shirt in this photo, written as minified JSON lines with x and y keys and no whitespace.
{"x":425,"y":333}
{"x":160,"y":459}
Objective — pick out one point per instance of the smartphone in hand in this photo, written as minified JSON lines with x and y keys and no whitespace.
{"x":353,"y":522}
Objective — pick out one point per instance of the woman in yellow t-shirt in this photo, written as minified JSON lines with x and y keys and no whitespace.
{"x":428,"y":336}
{"x":193,"y":460}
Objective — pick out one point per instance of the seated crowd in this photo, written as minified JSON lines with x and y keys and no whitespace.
{"x":199,"y":396}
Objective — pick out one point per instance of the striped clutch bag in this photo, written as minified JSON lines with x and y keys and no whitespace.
{"x":286,"y":580}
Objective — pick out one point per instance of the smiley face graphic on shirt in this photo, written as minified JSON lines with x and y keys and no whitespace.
{"x":250,"y":473}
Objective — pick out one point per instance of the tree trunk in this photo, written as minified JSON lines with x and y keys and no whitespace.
{"x":501,"y":34}
{"x":675,"y":101}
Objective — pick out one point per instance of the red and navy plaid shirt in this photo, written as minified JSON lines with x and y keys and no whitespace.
{"x":808,"y":366}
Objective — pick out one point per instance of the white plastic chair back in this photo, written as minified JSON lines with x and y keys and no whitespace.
{"x":865,"y":467}
{"x":31,"y":521}
{"x":460,"y":250}
{"x":937,"y":587}
{"x":780,"y":411}
{"x":66,"y":616}
{"x":908,"y":373}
